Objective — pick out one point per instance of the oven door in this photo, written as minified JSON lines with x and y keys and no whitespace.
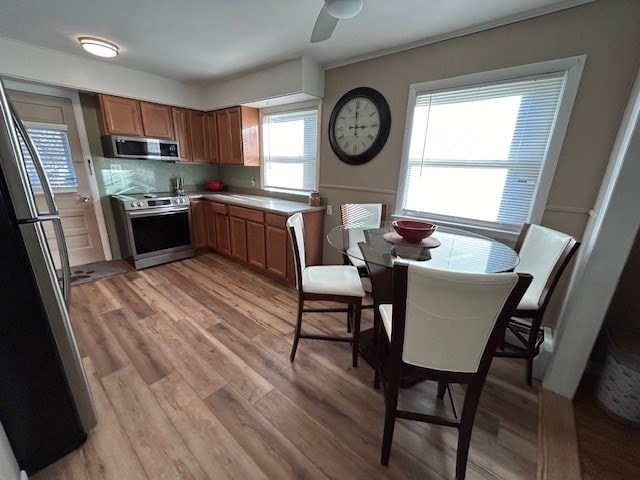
{"x":159,"y":232}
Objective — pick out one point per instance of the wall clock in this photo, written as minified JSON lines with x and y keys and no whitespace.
{"x":359,"y":125}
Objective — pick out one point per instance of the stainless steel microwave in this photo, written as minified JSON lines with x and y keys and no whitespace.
{"x":140,"y":148}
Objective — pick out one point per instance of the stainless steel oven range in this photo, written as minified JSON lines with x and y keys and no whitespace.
{"x":152,"y":228}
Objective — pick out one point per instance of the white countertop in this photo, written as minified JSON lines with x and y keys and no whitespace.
{"x":269,"y":204}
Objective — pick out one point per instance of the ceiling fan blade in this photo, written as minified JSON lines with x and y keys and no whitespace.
{"x":324,"y":27}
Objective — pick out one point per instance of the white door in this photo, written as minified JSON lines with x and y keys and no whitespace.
{"x":52,"y":126}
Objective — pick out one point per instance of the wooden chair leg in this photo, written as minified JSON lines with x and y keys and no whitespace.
{"x":379,"y":352}
{"x":391,"y":405}
{"x":471,"y":400}
{"x":442,"y":388}
{"x":349,"y":318}
{"x":296,"y":338}
{"x":529,"y":373}
{"x":356,"y":332}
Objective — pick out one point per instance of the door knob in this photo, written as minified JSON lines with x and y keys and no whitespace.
{"x":86,"y":199}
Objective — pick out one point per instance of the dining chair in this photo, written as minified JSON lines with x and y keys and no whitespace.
{"x":446,"y":326}
{"x":360,"y":216}
{"x":544,"y":253}
{"x":331,"y":283}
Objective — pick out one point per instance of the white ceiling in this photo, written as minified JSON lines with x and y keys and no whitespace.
{"x":206,"y":40}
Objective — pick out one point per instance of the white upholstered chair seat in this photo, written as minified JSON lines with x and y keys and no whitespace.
{"x":528,"y":302}
{"x":332,"y":280}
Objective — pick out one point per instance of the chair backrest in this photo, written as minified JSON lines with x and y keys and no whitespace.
{"x":448,"y":321}
{"x":360,"y":216}
{"x":544,"y":253}
{"x":295,"y":227}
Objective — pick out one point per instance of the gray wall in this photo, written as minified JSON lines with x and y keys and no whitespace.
{"x":606,"y":31}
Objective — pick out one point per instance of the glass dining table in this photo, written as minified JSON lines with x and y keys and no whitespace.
{"x":378,"y":248}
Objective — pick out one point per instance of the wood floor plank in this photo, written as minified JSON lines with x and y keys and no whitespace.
{"x":230,"y":366}
{"x":160,"y":448}
{"x":95,"y":339}
{"x":218,"y":308}
{"x":126,"y":295}
{"x":190,"y":306}
{"x":217,"y":451}
{"x":190,"y":365}
{"x":271,"y":450}
{"x":108,"y":451}
{"x":147,"y":358}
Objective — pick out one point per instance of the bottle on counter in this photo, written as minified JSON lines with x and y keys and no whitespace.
{"x":314,"y":199}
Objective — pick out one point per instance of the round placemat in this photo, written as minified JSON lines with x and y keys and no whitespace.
{"x":429,"y":242}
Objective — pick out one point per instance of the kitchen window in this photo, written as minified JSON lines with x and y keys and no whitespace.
{"x":290,"y":149}
{"x":481,"y":150}
{"x":52,"y":144}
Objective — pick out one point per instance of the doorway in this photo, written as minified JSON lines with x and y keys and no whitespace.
{"x":52,"y":125}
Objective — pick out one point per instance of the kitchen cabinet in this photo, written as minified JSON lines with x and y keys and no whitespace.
{"x":212,"y":138}
{"x":198,"y":224}
{"x":277,"y":245}
{"x":260,"y":239}
{"x":210,"y":223}
{"x":182,"y":133}
{"x":238,"y":140}
{"x":120,"y":116}
{"x":197,"y":129}
{"x":157,"y":120}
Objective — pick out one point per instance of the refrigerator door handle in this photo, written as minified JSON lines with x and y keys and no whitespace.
{"x":65,"y":281}
{"x":64,"y":259}
{"x":37,"y":163}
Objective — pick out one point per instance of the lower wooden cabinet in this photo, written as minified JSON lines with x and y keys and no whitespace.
{"x":260,"y":239}
{"x":198,"y":224}
{"x":255,"y":244}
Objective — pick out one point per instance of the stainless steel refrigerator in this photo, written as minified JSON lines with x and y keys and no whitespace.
{"x":45,"y":402}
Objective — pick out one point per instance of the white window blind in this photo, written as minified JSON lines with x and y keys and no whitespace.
{"x":476,"y":152}
{"x":290,"y":150}
{"x":52,"y":144}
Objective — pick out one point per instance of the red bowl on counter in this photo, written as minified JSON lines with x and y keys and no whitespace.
{"x":214,"y":185}
{"x":413,"y":231}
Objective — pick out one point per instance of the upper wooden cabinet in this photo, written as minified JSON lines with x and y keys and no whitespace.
{"x":238,"y":140}
{"x":212,"y":137}
{"x":120,"y":116}
{"x":157,"y":120}
{"x":197,"y":128}
{"x":182,"y":132}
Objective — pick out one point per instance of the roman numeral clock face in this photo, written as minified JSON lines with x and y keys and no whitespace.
{"x":359,"y":125}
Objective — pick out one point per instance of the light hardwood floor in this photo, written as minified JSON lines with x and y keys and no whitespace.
{"x":189,"y":370}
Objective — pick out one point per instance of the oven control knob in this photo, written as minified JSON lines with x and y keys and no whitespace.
{"x":133,"y":204}
{"x":139,"y":204}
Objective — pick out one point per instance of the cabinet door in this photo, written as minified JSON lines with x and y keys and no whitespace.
{"x":198,"y":137}
{"x":120,"y":116}
{"x":250,"y":137}
{"x":277,"y":243}
{"x":255,"y":244}
{"x":223,"y":127}
{"x":210,"y":224}
{"x":223,"y":241}
{"x":212,"y":138}
{"x":198,"y":224}
{"x":238,"y":238}
{"x":157,"y":120}
{"x":235,"y":131}
{"x":181,"y":130}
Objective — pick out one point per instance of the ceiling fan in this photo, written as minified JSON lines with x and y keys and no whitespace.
{"x":332,"y":11}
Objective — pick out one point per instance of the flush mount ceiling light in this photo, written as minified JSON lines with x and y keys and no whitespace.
{"x":98,"y":47}
{"x":344,"y":8}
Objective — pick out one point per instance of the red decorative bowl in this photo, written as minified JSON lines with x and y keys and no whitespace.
{"x":214,"y":185}
{"x":413,"y":231}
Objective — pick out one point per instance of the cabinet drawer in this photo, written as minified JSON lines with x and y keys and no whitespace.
{"x":246,"y":213}
{"x":218,"y":207}
{"x":274,"y":220}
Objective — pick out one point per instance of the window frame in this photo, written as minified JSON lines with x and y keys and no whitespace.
{"x":289,"y":108}
{"x":573,"y":66}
